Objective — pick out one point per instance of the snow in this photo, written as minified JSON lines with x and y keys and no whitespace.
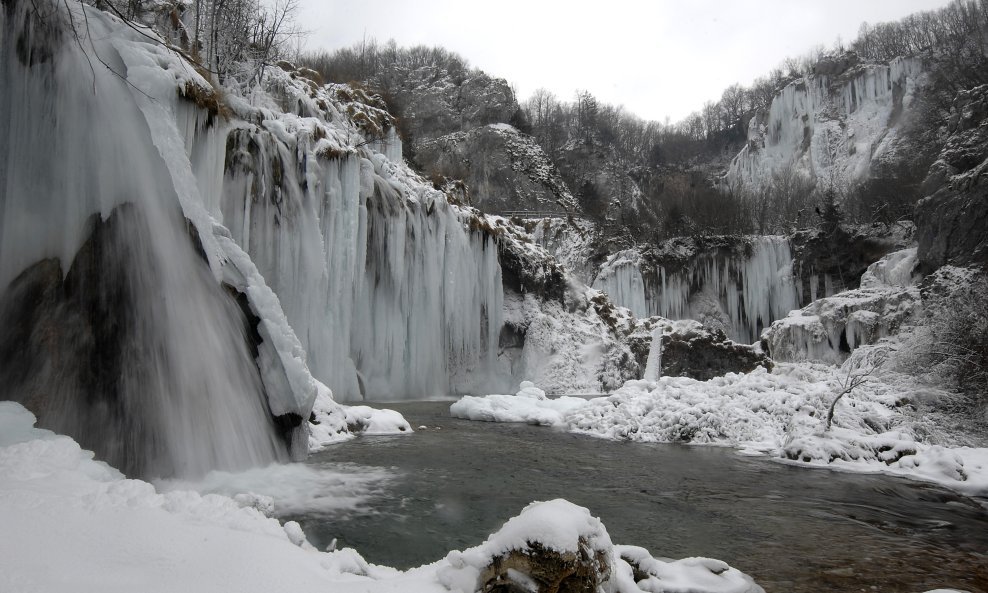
{"x":111,"y":534}
{"x":529,"y":405}
{"x":779,"y":414}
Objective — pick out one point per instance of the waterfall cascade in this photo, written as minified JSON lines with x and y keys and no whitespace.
{"x":389,"y":293}
{"x":135,"y":349}
{"x":736,"y":293}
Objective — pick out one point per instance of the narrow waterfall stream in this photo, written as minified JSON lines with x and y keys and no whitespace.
{"x":792,"y":529}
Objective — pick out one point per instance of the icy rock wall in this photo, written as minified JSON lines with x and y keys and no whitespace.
{"x":829,"y":329}
{"x":829,"y":127}
{"x":391,"y":296}
{"x":740,"y":295}
{"x":77,"y":141}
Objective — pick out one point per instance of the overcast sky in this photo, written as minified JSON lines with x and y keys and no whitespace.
{"x":659,"y":58}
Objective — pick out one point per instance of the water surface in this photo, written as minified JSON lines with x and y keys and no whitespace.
{"x":793,"y":529}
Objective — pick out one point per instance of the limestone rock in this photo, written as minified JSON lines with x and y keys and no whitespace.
{"x":689,"y":349}
{"x":952,"y":223}
{"x":504,"y":170}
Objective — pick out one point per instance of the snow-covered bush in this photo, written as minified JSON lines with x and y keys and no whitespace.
{"x":958,"y":346}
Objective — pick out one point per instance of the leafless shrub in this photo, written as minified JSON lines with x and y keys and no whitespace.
{"x":958,"y":347}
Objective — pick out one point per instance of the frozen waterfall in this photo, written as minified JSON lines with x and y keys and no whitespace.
{"x":738,"y":294}
{"x":389,"y":293}
{"x":116,"y":330}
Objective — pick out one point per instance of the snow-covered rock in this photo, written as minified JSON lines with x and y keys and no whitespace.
{"x":504,"y":170}
{"x":830,"y":328}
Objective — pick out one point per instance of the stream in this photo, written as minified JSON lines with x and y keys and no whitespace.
{"x":793,"y":529}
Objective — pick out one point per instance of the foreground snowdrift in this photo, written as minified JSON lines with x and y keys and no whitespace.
{"x":876,"y":427}
{"x":72,"y":523}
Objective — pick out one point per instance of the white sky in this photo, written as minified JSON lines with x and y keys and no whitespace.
{"x":656,"y":58}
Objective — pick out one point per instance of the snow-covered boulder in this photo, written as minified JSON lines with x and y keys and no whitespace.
{"x":559,"y":547}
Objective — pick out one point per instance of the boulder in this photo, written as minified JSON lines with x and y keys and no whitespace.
{"x":545,"y":570}
{"x":689,"y":349}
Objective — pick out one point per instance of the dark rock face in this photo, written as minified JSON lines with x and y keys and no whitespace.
{"x":74,"y":350}
{"x":843,"y":254}
{"x":542,"y":569}
{"x":952,"y":223}
{"x":68,"y":354}
{"x":691,"y":350}
{"x":704,"y":355}
{"x":523,"y":269}
{"x":836,"y":64}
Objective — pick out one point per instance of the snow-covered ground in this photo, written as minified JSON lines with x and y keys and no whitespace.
{"x":71,"y":523}
{"x":879,"y":426}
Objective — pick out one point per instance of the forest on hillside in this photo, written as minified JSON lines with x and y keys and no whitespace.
{"x":655,"y":180}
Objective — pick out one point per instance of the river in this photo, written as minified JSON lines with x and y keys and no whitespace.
{"x":793,"y":529}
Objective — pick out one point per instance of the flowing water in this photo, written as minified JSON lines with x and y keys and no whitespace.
{"x":792,"y":529}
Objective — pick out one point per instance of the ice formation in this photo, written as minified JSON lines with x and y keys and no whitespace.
{"x":68,"y":151}
{"x":391,"y":294}
{"x":829,"y":127}
{"x":738,"y":294}
{"x":829,"y":329}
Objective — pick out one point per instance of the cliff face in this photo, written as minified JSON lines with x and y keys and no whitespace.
{"x":952,"y":222}
{"x":504,"y":170}
{"x":832,"y":126}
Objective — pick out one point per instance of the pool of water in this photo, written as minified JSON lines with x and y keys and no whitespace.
{"x":793,"y":529}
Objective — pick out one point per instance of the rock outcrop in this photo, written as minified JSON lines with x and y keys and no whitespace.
{"x":688,"y":349}
{"x":825,"y":263}
{"x":504,"y":169}
{"x":952,"y":222}
{"x":829,"y":329}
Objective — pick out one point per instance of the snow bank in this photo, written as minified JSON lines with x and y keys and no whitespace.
{"x":334,"y":423}
{"x":109,"y":534}
{"x":781,"y":414}
{"x":529,"y":405}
